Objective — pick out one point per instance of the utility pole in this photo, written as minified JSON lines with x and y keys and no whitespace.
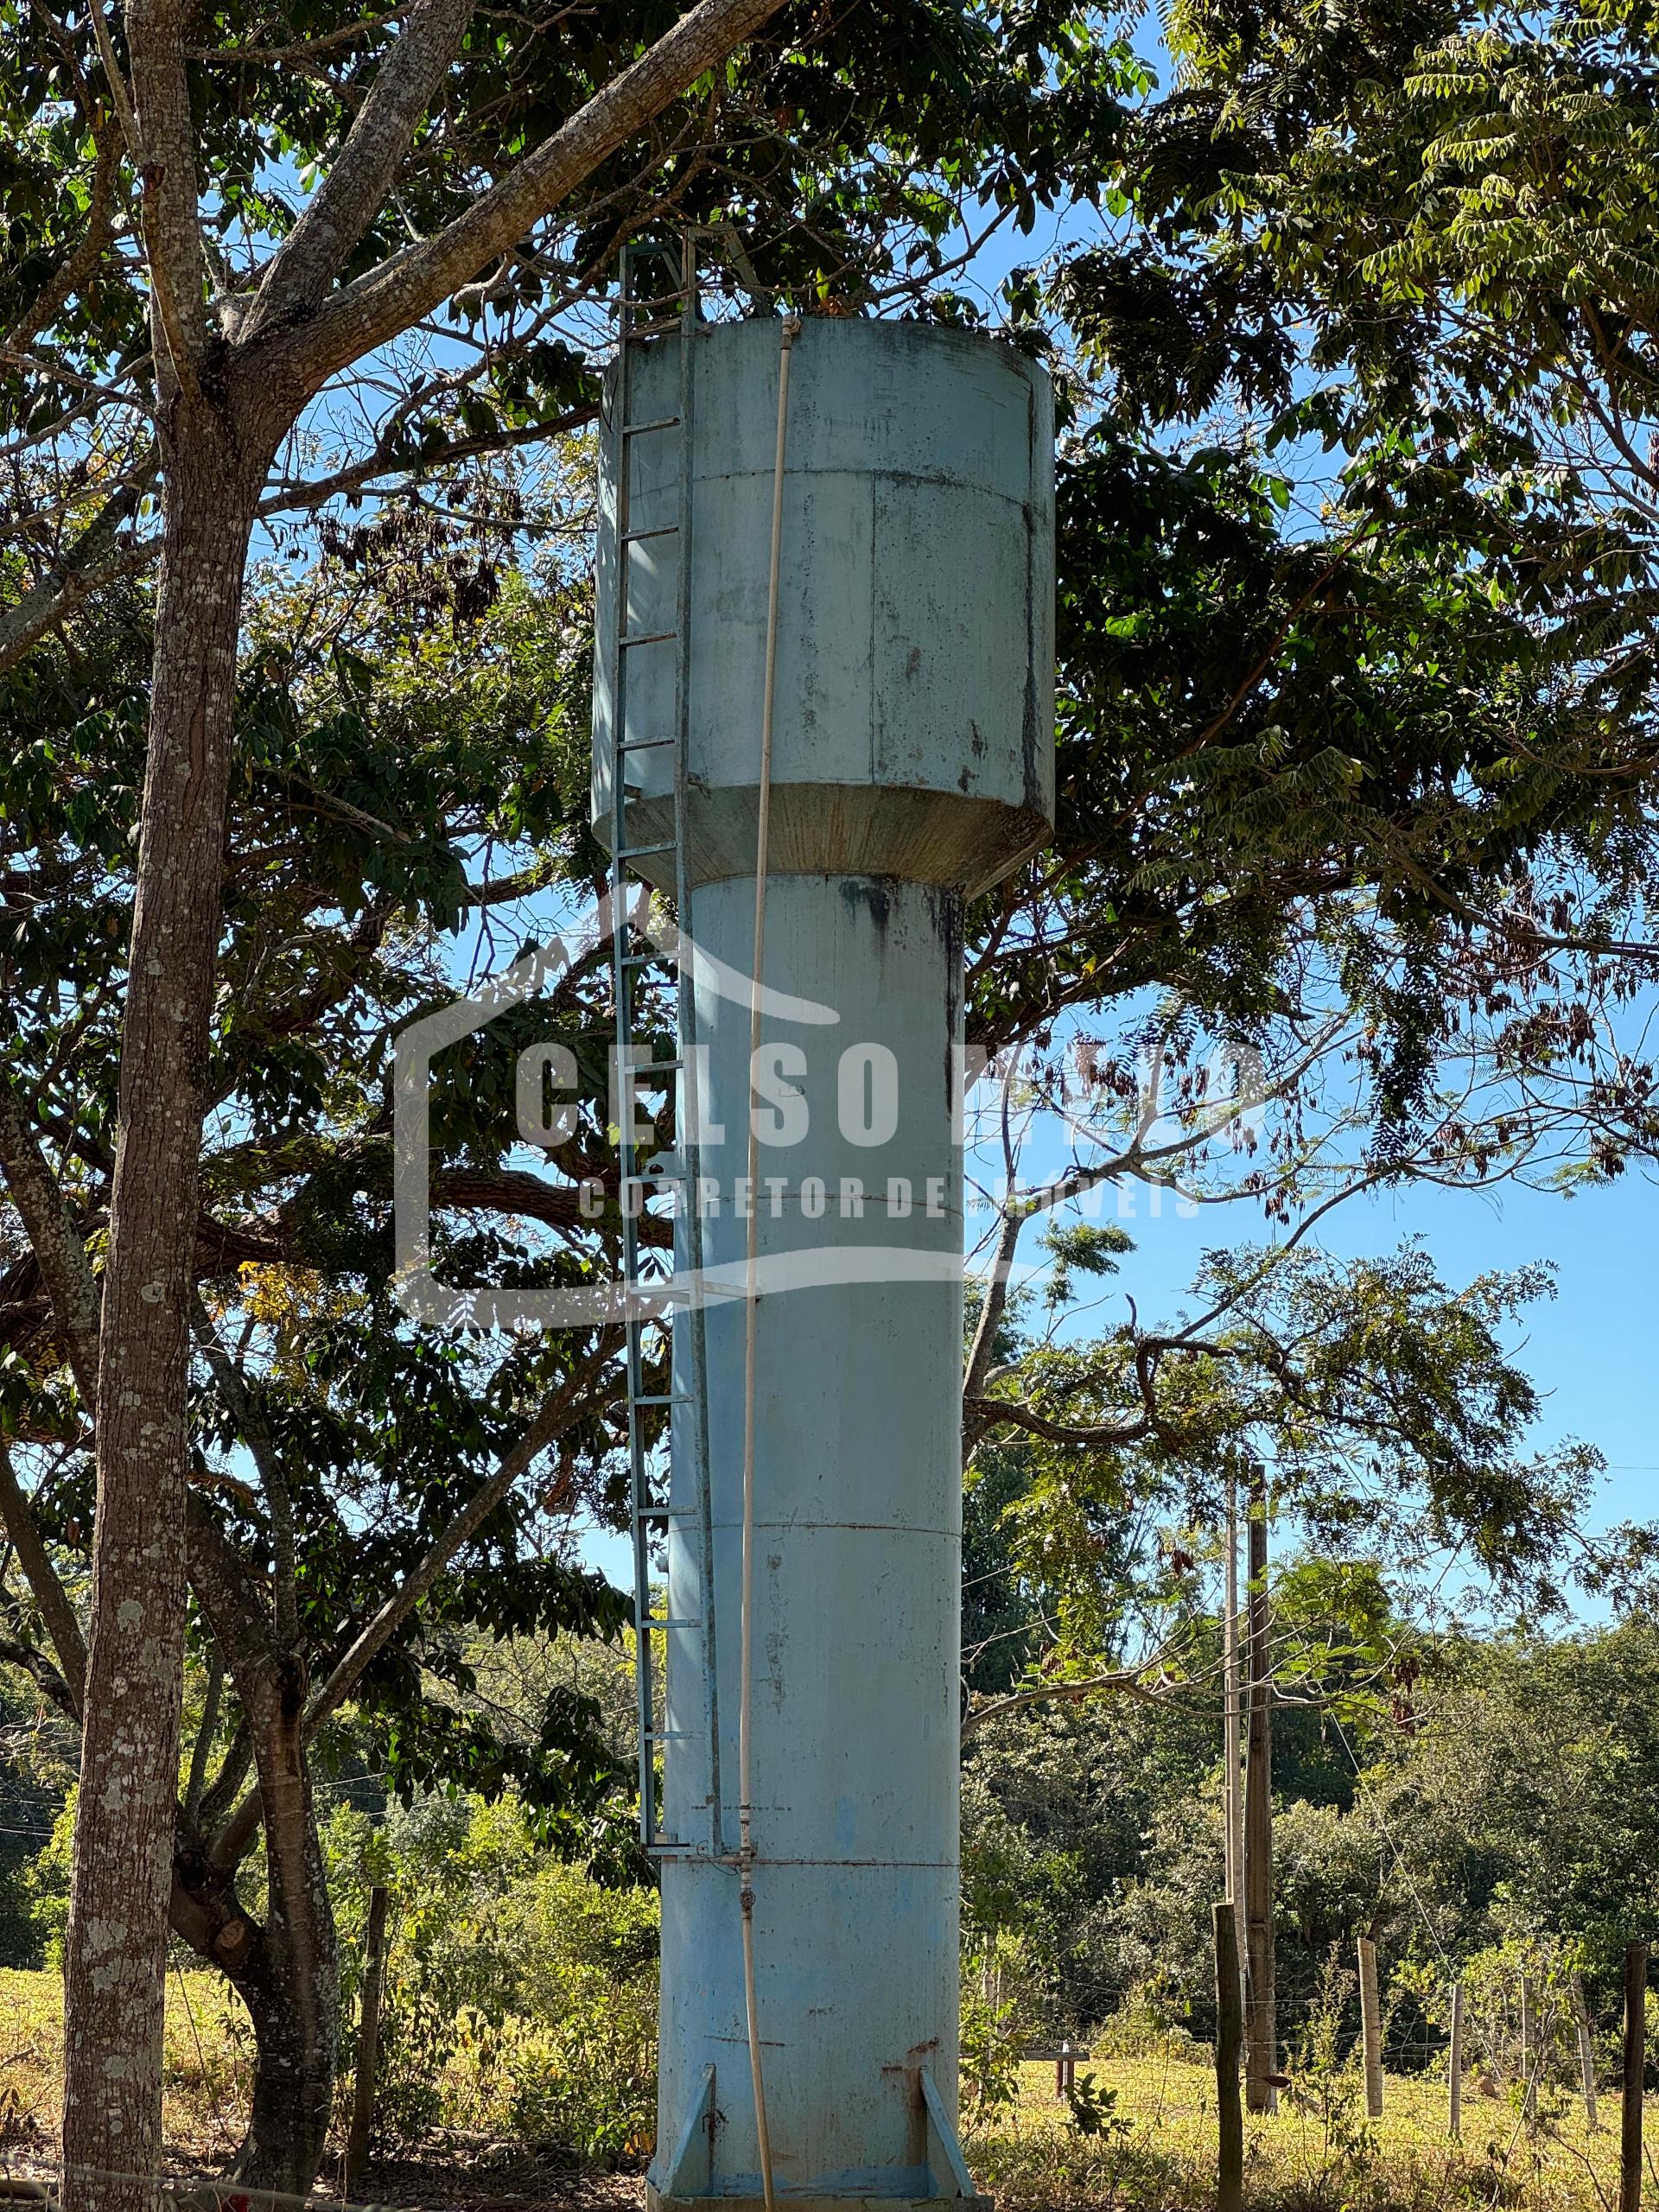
{"x":1261,"y":2010}
{"x":1232,"y":1745}
{"x":1230,"y":2175}
{"x":1636,"y":2067}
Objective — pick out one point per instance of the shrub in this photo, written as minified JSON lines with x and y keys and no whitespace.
{"x":45,"y":1884}
{"x":520,"y":1993}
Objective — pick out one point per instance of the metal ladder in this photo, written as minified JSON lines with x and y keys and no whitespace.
{"x":645,"y":1297}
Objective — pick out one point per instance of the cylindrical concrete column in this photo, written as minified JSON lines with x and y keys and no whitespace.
{"x":857,"y":1545}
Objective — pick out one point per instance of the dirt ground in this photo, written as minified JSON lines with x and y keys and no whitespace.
{"x":452,"y":2179}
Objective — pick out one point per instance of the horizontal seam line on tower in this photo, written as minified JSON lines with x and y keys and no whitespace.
{"x":860,"y":1528}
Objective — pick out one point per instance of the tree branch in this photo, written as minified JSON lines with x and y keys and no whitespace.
{"x":376,"y":306}
{"x":986,"y":1413}
{"x":120,"y":99}
{"x":221,"y":1792}
{"x":559,"y":1410}
{"x":994,"y":1306}
{"x":56,"y":1240}
{"x":17,"y":1517}
{"x":41,"y":1671}
{"x":74,"y":271}
{"x":203,"y":1745}
{"x":387,"y":461}
{"x":362,"y":175}
{"x":1130,"y":1681}
{"x":172,"y":225}
{"x":255,"y":1434}
{"x":91,"y":565}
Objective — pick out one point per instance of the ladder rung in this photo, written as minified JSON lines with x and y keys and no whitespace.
{"x":661,"y":530}
{"x":643,"y":429}
{"x":654,"y":1067}
{"x":653,"y":1623}
{"x":665,"y":1513}
{"x":639,"y":959}
{"x":670,"y":1398}
{"x":642,"y":744}
{"x":644,"y":852}
{"x":667,"y":1735}
{"x":650,"y":329}
{"x":648,"y":637}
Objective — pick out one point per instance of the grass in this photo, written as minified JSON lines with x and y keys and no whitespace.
{"x":1319,"y":2154}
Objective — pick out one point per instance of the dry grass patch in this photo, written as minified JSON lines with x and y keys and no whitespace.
{"x":1319,"y":2154}
{"x":1156,"y":2152}
{"x":206,"y":2071}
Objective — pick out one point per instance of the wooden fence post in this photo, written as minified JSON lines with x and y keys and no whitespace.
{"x":1371,"y":2026}
{"x":368,"y":2039}
{"x":1230,"y":2036}
{"x":1586,"y":2055}
{"x":1454,"y":2095}
{"x":1066,"y":2067}
{"x":1636,"y":2058}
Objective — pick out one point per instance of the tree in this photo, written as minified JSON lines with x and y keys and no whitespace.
{"x":360,"y":1500}
{"x":1393,"y":1422}
{"x":1561,"y":1839}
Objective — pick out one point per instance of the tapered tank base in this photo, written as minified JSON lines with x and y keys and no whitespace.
{"x":688,"y":2180}
{"x":815,"y":2201}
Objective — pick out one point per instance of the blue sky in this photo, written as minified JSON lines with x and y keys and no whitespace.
{"x":1589,"y":1349}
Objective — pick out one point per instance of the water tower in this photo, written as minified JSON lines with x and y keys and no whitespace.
{"x":866,"y":573}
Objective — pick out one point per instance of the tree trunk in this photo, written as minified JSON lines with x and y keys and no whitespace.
{"x":296,"y":2011}
{"x":290,"y":1988}
{"x":287,"y":1972}
{"x":1261,"y":2009}
{"x":116,"y":1945}
{"x":368,"y":2043}
{"x":1586,"y":2041}
{"x":295,"y":2055}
